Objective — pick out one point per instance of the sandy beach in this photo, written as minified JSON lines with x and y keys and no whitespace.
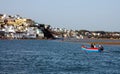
{"x":96,"y":41}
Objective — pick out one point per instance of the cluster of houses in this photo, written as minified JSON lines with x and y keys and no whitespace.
{"x":83,"y":34}
{"x":17,"y":27}
{"x":101,"y":34}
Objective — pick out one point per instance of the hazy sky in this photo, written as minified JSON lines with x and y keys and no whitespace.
{"x":70,"y":14}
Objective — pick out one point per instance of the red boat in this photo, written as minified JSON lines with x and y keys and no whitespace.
{"x":91,"y":49}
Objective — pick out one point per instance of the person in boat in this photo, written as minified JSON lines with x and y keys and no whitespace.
{"x":92,"y":45}
{"x":100,"y":47}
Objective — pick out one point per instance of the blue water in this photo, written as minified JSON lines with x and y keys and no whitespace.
{"x":56,"y":57}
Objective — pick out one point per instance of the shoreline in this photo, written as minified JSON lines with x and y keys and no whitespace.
{"x":96,"y":41}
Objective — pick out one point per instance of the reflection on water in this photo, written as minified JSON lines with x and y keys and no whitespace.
{"x":49,"y":57}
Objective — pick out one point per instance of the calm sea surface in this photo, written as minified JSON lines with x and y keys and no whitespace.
{"x":56,"y":57}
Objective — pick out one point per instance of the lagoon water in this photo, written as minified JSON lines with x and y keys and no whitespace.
{"x":56,"y":57}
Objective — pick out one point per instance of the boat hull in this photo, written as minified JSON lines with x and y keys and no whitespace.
{"x":90,"y":49}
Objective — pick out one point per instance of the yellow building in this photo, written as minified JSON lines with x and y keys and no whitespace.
{"x":10,"y":21}
{"x":21,"y":21}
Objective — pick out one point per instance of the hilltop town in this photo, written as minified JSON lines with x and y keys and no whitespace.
{"x":17,"y":27}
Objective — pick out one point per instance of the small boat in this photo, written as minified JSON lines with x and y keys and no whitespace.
{"x":91,"y":49}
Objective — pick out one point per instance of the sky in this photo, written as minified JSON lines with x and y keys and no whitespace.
{"x":93,"y":15}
